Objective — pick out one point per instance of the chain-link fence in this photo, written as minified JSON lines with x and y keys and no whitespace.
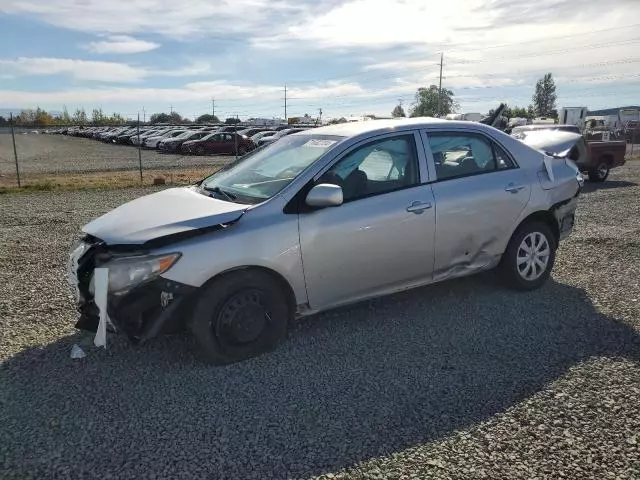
{"x":48,"y":159}
{"x":59,"y":158}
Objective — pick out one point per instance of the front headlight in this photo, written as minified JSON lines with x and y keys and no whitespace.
{"x":129,"y":272}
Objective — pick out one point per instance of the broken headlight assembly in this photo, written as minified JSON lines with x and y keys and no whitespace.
{"x":127,"y":273}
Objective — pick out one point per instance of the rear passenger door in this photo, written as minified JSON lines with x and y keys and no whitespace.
{"x":480,"y":193}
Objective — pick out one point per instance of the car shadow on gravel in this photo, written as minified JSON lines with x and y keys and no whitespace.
{"x":607,"y":185}
{"x":349,"y":385}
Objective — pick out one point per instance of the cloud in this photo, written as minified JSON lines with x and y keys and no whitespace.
{"x":190,"y":92}
{"x":78,"y":69}
{"x":109,"y":72}
{"x":164,"y":17}
{"x":121,"y":44}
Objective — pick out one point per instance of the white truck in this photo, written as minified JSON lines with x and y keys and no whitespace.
{"x":572,"y":115}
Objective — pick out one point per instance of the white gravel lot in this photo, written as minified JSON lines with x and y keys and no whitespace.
{"x":460,"y":380}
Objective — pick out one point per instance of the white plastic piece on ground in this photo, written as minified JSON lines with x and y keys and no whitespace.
{"x":101,"y":282}
{"x":548,"y":165}
{"x":77,"y":352}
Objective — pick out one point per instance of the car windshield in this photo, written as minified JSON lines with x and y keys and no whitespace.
{"x":264,"y":172}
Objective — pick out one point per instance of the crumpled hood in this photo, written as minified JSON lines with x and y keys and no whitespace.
{"x":170,"y":211}
{"x":552,"y":141}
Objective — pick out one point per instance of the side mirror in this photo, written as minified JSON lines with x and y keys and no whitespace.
{"x":325,"y":195}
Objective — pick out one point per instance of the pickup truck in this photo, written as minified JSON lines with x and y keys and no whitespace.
{"x":594,"y":157}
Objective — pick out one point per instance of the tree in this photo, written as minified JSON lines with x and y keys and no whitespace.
{"x":231,"y":120}
{"x":66,"y":118}
{"x":79,"y":117}
{"x":335,"y":121}
{"x":175,"y":118}
{"x":43,"y":119}
{"x":426,"y":104}
{"x":160,"y":118}
{"x":531,"y":113}
{"x":115,"y":119}
{"x":3,"y":121}
{"x":398,"y":111}
{"x":207,"y":118}
{"x":544,"y":98}
{"x":98,"y":117}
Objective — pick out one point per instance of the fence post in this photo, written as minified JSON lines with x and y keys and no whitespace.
{"x":15,"y":151}
{"x":235,"y":138}
{"x":139,"y":150}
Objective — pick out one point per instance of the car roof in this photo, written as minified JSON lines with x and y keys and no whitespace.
{"x":379,"y":126}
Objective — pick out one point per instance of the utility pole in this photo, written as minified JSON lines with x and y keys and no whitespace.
{"x":15,"y":152}
{"x":144,"y":115}
{"x":171,"y":108}
{"x":440,"y":87}
{"x":285,"y":103}
{"x":213,"y":107}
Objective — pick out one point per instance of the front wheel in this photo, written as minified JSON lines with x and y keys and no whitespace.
{"x":599,"y":173}
{"x":527,"y":262}
{"x":241,"y":315}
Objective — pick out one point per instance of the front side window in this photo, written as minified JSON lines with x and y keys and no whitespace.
{"x":461,"y":154}
{"x":377,"y":167}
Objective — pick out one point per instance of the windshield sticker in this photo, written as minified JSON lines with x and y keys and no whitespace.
{"x":318,"y":143}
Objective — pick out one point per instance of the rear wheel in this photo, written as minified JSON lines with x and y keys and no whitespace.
{"x":199,"y":150}
{"x":240,"y":315}
{"x":527,"y":262}
{"x":599,"y":173}
{"x":242,"y":150}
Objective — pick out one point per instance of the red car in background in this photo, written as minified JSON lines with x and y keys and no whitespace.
{"x":219,"y":143}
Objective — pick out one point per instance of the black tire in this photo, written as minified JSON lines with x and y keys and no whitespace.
{"x":510,"y":267}
{"x":199,"y":150}
{"x":600,"y":172}
{"x":242,"y":151}
{"x":228,"y":323}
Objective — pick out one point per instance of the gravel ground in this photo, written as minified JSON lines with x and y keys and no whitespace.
{"x":459,"y":380}
{"x":64,"y":154}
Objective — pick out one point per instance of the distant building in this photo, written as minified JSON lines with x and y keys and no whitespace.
{"x":259,"y":122}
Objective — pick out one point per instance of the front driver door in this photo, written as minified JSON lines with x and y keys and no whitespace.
{"x":381,"y":238}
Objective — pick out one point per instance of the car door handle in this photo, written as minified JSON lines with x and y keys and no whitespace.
{"x":418,"y":207}
{"x":513,"y":188}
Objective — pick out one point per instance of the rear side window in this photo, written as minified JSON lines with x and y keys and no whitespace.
{"x":464,"y":154}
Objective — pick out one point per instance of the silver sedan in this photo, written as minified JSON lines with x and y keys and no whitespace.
{"x":318,"y":219}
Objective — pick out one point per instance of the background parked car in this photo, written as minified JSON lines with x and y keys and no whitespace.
{"x":260,"y":135}
{"x":173,"y":144}
{"x":278,"y":135}
{"x":152,"y":142}
{"x":250,"y":132}
{"x":219,"y":143}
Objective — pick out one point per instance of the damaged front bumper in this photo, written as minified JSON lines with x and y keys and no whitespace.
{"x":154,"y":308}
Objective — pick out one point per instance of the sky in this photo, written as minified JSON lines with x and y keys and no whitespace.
{"x":345,"y":57}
